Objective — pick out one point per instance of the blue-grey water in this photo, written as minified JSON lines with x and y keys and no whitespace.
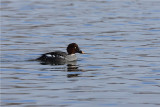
{"x":121,"y":39}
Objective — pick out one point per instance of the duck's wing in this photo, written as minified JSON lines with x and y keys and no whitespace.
{"x":52,"y":56}
{"x":57,"y":54}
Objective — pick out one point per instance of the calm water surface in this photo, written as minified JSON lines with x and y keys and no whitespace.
{"x":121,"y":39}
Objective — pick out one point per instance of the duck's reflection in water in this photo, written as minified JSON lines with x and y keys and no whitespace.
{"x":73,"y":69}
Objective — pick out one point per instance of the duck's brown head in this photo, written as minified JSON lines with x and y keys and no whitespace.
{"x":73,"y":48}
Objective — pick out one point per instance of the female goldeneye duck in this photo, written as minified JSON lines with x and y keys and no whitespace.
{"x":59,"y":57}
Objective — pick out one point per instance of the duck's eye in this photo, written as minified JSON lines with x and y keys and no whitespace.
{"x":75,"y":47}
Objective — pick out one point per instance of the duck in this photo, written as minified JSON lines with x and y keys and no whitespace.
{"x":60,"y":57}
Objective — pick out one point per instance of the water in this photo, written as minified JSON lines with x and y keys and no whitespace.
{"x":121,"y":67}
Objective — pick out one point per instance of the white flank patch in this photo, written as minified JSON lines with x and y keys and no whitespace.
{"x":49,"y":55}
